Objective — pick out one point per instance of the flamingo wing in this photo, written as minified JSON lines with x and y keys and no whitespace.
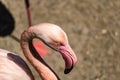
{"x":13,"y":67}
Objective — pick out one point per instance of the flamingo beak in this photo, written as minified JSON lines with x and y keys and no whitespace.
{"x":69,"y":57}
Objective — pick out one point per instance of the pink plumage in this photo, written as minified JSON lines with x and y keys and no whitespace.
{"x":40,"y":48}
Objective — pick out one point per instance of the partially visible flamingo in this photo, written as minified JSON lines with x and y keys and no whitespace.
{"x":28,"y":10}
{"x":12,"y":67}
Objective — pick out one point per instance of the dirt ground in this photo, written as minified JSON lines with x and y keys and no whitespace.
{"x":92,"y":26}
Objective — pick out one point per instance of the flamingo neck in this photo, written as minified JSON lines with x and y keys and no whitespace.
{"x":45,"y":72}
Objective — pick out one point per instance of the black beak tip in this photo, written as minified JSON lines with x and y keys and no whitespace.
{"x":66,"y":71}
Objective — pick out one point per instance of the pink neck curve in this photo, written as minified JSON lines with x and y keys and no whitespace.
{"x":45,"y":72}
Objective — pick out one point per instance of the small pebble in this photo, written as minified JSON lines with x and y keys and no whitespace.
{"x":87,"y":52}
{"x":116,"y":33}
{"x":104,"y":31}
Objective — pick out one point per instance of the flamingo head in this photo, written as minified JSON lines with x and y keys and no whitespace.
{"x":56,"y":38}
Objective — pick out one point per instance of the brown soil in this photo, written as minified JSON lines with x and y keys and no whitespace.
{"x":93,"y":29}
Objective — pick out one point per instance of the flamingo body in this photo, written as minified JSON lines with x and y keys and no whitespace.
{"x":12,"y":67}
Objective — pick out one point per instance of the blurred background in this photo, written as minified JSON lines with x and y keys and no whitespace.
{"x":92,"y":26}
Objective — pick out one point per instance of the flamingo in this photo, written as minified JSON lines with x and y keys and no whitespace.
{"x":13,"y":67}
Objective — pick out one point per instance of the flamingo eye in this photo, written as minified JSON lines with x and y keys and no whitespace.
{"x":58,"y":44}
{"x":61,"y":44}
